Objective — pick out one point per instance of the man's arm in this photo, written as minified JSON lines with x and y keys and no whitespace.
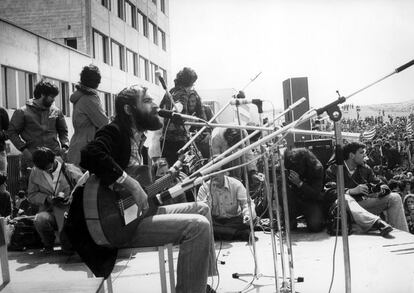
{"x":241,"y":196}
{"x":34,"y":195}
{"x":96,"y":156}
{"x":203,"y":194}
{"x":62,"y":129}
{"x":16,"y":127}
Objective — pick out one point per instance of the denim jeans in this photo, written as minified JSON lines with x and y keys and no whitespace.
{"x":365,"y":212}
{"x":187,"y":224}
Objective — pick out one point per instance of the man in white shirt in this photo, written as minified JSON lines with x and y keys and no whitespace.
{"x":227,"y":199}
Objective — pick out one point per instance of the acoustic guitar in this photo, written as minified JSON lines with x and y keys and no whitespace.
{"x":111,"y":212}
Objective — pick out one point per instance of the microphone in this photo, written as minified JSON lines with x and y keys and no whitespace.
{"x":158,"y":73}
{"x":238,"y":102}
{"x":175,"y":116}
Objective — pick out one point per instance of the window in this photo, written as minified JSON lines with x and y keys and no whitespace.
{"x":164,"y":74}
{"x":143,"y":68}
{"x":153,"y":32}
{"x":17,"y":87}
{"x":130,"y":14}
{"x":118,"y":8}
{"x":71,"y":42}
{"x":154,"y":79}
{"x":105,"y":3}
{"x":62,"y":99}
{"x":106,"y":102}
{"x":162,"y":2}
{"x":163,"y":40}
{"x":132,"y":62}
{"x":142,"y":23}
{"x":117,"y":55}
{"x":100,"y":47}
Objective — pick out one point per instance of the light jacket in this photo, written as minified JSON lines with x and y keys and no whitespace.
{"x":88,"y":116}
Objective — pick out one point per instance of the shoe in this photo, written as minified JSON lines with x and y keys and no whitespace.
{"x":383,"y":227}
{"x":47,"y":250}
{"x":210,"y":290}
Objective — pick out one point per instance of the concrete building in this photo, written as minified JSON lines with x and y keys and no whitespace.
{"x":127,"y":39}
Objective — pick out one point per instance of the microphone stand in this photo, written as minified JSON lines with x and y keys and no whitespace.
{"x":335,"y":115}
{"x":200,"y":131}
{"x":231,"y":149}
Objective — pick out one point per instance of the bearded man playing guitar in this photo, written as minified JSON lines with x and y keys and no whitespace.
{"x":133,"y":220}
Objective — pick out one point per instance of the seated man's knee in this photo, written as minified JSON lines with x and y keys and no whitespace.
{"x":203,"y":208}
{"x":43,"y":219}
{"x":395,"y":198}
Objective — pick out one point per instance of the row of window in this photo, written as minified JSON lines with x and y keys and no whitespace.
{"x":138,"y":20}
{"x":18,"y":86}
{"x":131,"y":63}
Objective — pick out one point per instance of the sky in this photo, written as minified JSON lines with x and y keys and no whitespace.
{"x":338,"y":45}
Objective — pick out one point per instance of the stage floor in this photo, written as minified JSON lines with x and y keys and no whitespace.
{"x":377,"y":265}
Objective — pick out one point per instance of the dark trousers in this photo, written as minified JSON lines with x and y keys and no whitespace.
{"x":312,"y":210}
{"x":230,"y":228}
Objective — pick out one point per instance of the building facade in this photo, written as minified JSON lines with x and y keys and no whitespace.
{"x":127,"y":39}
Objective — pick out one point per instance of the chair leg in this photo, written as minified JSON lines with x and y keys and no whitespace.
{"x":171,"y":267}
{"x":3,"y":253}
{"x":109,"y":284}
{"x":161,"y":260}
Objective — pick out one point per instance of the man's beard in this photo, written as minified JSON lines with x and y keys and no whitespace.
{"x":146,"y":121}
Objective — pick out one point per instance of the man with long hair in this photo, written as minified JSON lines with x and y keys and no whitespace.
{"x":305,"y":184}
{"x":117,"y":147}
{"x":174,"y":135}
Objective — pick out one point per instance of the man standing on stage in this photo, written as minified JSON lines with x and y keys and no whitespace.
{"x":38,"y":124}
{"x":174,"y":135}
{"x":116,"y":148}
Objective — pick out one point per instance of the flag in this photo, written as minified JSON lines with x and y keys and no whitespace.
{"x":369,"y":135}
{"x":409,"y":127}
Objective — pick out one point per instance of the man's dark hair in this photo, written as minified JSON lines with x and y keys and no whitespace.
{"x":352,"y":147}
{"x":185,"y":78}
{"x":232,"y":136}
{"x":127,"y":96}
{"x":42,"y":157}
{"x":90,"y":76}
{"x":46,"y":88}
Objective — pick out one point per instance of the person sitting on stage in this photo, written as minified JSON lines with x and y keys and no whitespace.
{"x":174,"y":135}
{"x":115,"y":148}
{"x":224,"y":138}
{"x":50,"y":184}
{"x":364,"y":205}
{"x":304,"y":174}
{"x":227,"y":199}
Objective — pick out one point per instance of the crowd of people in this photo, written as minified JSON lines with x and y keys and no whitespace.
{"x":55,"y":171}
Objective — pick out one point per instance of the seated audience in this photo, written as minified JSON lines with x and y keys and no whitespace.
{"x":50,"y":184}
